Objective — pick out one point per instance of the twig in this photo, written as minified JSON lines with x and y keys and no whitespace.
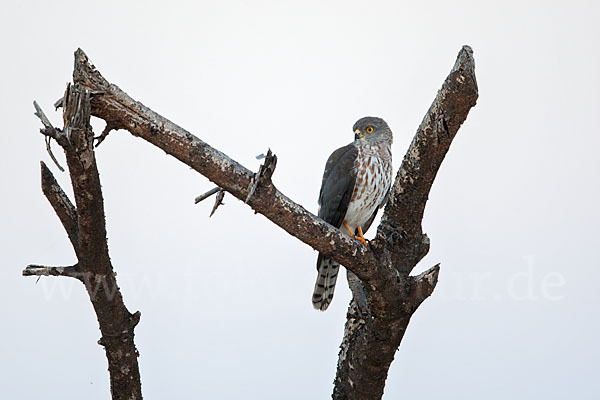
{"x":49,"y":129}
{"x":42,"y":270}
{"x":424,"y":283}
{"x":99,"y":139}
{"x":49,"y":150}
{"x":206,"y":195}
{"x":40,"y":114}
{"x":218,"y":201}
{"x":58,"y":103}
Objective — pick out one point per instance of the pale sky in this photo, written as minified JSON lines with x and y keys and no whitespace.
{"x":225,"y":301}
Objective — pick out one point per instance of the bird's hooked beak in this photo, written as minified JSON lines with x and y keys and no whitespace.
{"x":358,"y":134}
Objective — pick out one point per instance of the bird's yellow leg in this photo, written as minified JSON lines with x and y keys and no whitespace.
{"x":348,"y":229}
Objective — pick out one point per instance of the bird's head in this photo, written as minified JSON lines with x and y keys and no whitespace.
{"x":372,"y":129}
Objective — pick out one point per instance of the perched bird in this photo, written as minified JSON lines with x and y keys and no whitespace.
{"x":356,"y":182}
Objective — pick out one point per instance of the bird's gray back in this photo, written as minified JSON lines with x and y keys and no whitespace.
{"x":337,"y":185}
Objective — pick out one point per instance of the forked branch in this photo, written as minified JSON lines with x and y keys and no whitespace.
{"x":85,"y":227}
{"x":385,"y":295}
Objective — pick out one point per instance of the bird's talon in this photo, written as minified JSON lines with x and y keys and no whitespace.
{"x":361,"y":237}
{"x":362,"y":240}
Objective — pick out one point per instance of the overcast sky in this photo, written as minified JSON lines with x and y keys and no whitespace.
{"x":225,"y":301}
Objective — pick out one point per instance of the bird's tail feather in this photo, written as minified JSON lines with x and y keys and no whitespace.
{"x":325,"y":285}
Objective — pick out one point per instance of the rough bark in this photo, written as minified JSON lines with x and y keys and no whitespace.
{"x":85,"y":227}
{"x":384,"y":294}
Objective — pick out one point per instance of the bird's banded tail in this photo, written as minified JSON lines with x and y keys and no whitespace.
{"x":326,"y":278}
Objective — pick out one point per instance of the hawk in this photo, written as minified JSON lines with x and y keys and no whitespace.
{"x":356,"y":183}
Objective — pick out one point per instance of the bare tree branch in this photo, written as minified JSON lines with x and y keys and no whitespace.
{"x":123,"y":112}
{"x":50,"y":132}
{"x":207,"y":194}
{"x":104,"y":134}
{"x":42,"y":270}
{"x":401,"y":221}
{"x":64,"y":209}
{"x":49,"y":129}
{"x":58,"y":103}
{"x":218,"y":202}
{"x":424,"y":284}
{"x":51,"y":154}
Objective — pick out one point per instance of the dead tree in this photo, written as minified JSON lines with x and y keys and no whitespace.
{"x":385,"y":295}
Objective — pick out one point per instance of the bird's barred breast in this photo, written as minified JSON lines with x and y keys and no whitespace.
{"x":373,"y":180}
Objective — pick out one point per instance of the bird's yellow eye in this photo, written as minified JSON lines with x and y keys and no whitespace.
{"x":369,"y":129}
